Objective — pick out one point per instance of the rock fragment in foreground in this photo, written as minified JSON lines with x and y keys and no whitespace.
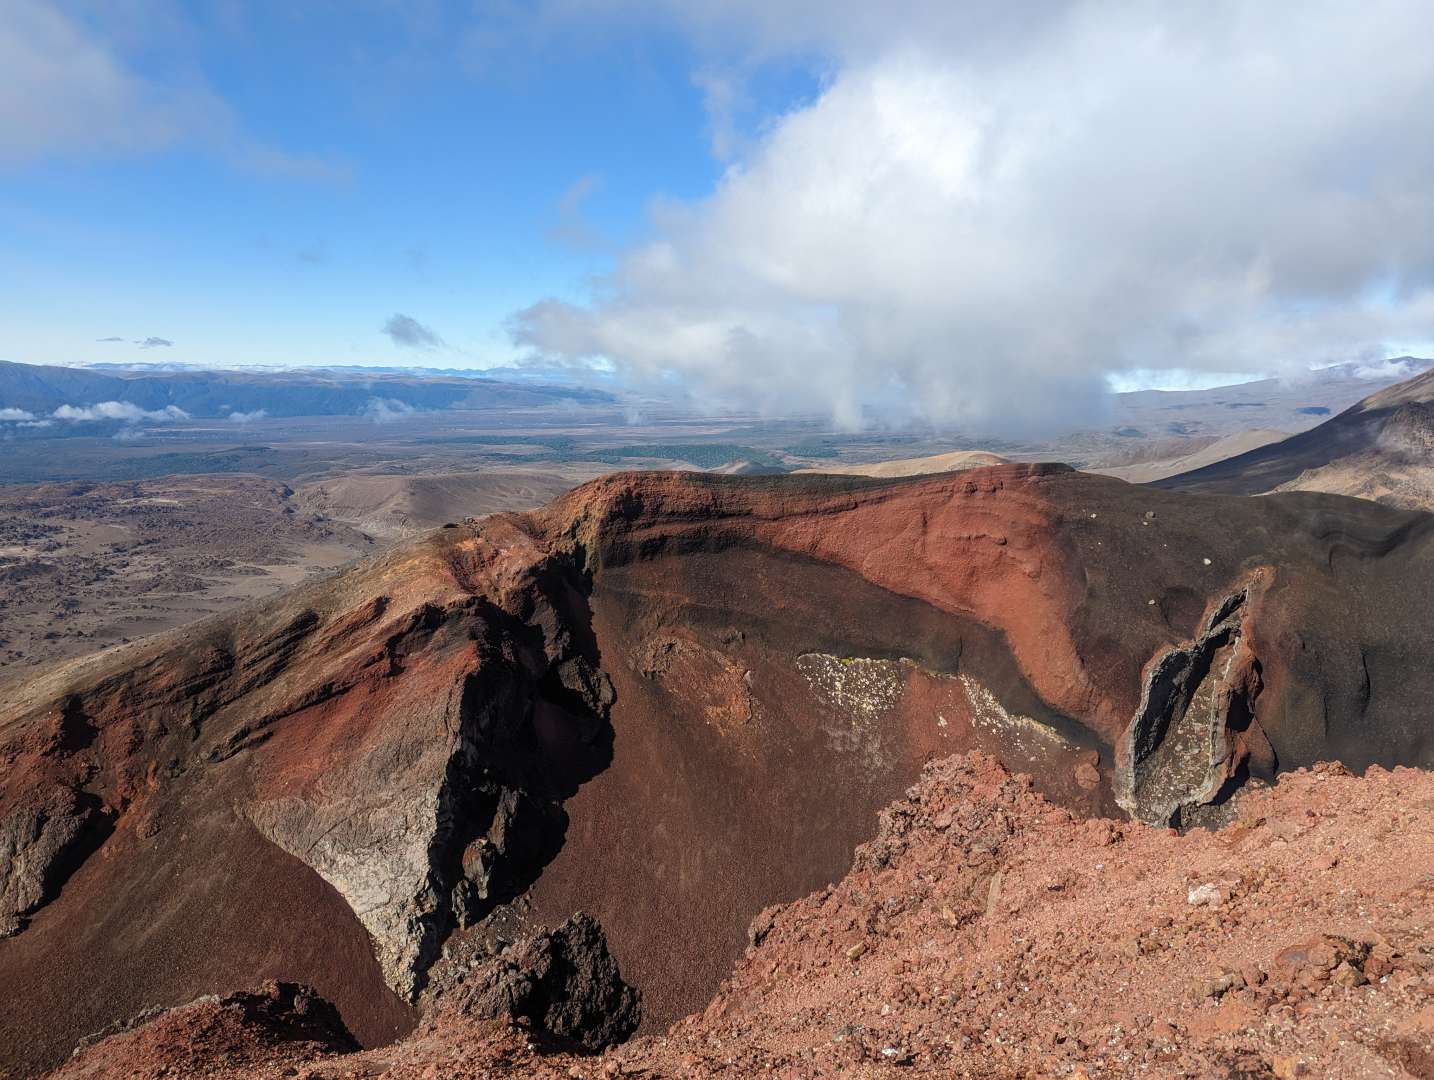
{"x":279,"y":1023}
{"x":564,"y":982}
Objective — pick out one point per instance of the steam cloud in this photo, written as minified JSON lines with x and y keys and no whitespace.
{"x":985,"y":209}
{"x":387,"y":410}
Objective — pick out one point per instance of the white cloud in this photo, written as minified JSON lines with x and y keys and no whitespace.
{"x":118,"y":410}
{"x":68,"y":89}
{"x":247,"y":417}
{"x":989,"y":208}
{"x":387,"y":410}
{"x":16,"y":414}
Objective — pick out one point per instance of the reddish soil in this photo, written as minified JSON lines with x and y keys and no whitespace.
{"x":985,"y":932}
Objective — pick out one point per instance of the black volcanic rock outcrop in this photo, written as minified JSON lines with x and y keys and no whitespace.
{"x":563,"y":982}
{"x":669,"y":700}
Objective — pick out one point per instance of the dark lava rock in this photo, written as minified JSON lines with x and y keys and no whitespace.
{"x":564,"y":981}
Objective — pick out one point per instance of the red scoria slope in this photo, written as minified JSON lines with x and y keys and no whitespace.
{"x":987,"y":933}
{"x":668,"y":700}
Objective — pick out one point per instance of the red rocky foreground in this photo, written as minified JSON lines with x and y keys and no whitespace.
{"x":668,"y":701}
{"x":985,"y":932}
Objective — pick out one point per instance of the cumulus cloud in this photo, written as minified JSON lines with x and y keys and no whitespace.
{"x":408,"y":332}
{"x":118,"y":410}
{"x":247,"y":417}
{"x":154,"y":343}
{"x":16,"y":414}
{"x":988,"y":208}
{"x":387,"y":410}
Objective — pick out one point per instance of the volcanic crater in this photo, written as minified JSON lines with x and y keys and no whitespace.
{"x":669,"y":701}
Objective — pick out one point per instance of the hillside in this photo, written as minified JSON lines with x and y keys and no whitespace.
{"x":389,"y":506}
{"x":1227,"y":447}
{"x":1381,"y":448}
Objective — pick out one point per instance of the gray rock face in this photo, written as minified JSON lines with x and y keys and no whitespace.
{"x":1195,"y":724}
{"x":564,"y":982}
{"x":434,"y":826}
{"x":35,"y":839}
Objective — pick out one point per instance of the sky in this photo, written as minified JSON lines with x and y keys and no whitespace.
{"x":924,"y":209}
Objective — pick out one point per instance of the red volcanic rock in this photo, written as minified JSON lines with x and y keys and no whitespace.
{"x":671,"y":700}
{"x":985,"y":932}
{"x":277,"y":1025}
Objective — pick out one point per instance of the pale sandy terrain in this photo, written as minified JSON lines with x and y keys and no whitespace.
{"x":1372,"y":475}
{"x":389,"y":506}
{"x":936,"y":463}
{"x":1222,"y":448}
{"x":1381,"y":449}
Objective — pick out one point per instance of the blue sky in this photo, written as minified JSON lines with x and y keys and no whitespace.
{"x":418,"y":168}
{"x":946,"y":210}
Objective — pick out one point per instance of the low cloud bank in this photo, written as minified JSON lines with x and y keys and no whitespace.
{"x":118,"y":410}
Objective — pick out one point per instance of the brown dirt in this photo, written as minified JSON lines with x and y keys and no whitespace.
{"x":86,"y":566}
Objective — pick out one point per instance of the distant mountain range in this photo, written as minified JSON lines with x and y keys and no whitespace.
{"x":1282,"y":404}
{"x":44,"y":392}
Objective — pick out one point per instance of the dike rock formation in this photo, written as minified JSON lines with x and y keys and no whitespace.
{"x":669,"y":700}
